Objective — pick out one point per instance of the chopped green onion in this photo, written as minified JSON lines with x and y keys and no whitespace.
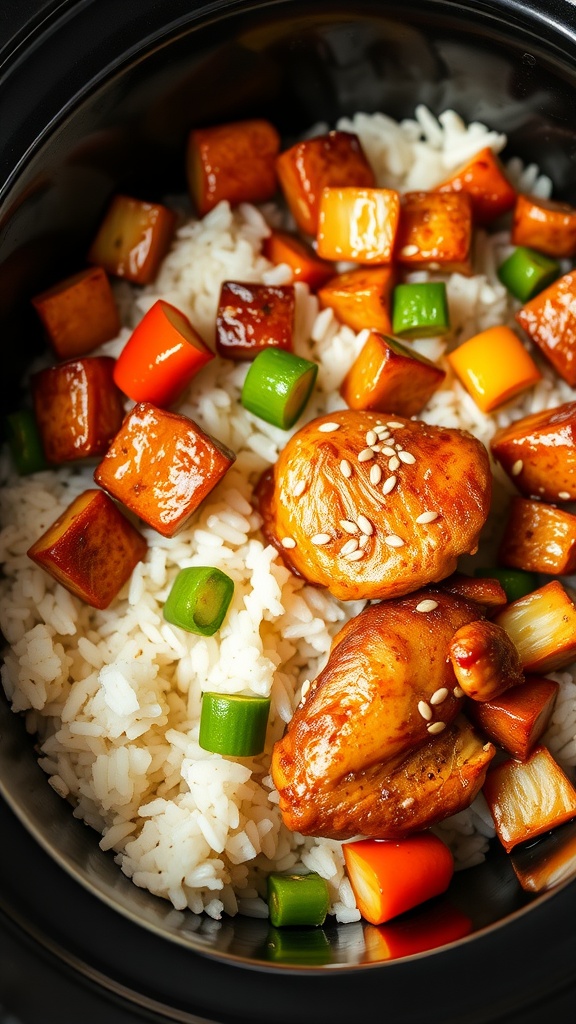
{"x":420,"y":310}
{"x":515,"y":582}
{"x":526,"y":272}
{"x":233,"y":724}
{"x":278,"y":386}
{"x":25,"y":443}
{"x":297,"y":899}
{"x":199,"y":599}
{"x":298,"y":946}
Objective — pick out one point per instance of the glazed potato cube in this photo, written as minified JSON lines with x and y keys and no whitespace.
{"x":549,"y":320}
{"x":435,"y":231}
{"x":484,"y":179}
{"x":518,"y":718}
{"x":234,"y":162}
{"x":161,"y":466}
{"x":361,"y":298}
{"x":387,"y":377}
{"x":542,"y":625}
{"x":539,"y":538}
{"x":133,"y":239}
{"x":527,"y":798}
{"x":251,"y":317}
{"x":538,"y":452}
{"x":78,"y":408}
{"x":78,"y":313}
{"x":545,"y":225}
{"x":91,"y":549}
{"x":284,"y":247}
{"x":358,"y":224}
{"x":330,"y":160}
{"x":484,"y":659}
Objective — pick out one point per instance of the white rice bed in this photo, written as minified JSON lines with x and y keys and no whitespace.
{"x":114,"y":696}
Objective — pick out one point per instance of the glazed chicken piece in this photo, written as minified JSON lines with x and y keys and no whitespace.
{"x":378,"y":745}
{"x":373,"y":507}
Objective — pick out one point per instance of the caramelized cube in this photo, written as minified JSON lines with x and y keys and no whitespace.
{"x":549,"y":319}
{"x":330,"y":160}
{"x":484,"y":179}
{"x":539,"y":538}
{"x":91,"y":549}
{"x":251,"y":317}
{"x":133,"y":239}
{"x":361,"y":298}
{"x":545,"y":225}
{"x":235,"y":162}
{"x":527,"y":798}
{"x":538,"y":452}
{"x":387,"y":377}
{"x":78,"y":313}
{"x":284,"y":247}
{"x":358,"y":224}
{"x":435,"y":231}
{"x":78,"y":408}
{"x":517,"y":719}
{"x":161,"y":466}
{"x":542,"y":625}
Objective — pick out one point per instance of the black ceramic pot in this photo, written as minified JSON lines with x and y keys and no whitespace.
{"x":99,"y":95}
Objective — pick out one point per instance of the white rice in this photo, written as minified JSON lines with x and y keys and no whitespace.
{"x":114,"y":696}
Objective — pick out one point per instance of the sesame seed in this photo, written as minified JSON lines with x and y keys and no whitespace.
{"x":564,"y":495}
{"x":409,"y":250}
{"x":350,"y":546}
{"x":365,"y":455}
{"x":427,"y":605}
{"x":355,"y":555}
{"x":305,"y":688}
{"x":427,"y":517}
{"x":376,"y":448}
{"x":321,"y":538}
{"x":435,"y":727}
{"x":299,"y":488}
{"x":487,"y":747}
{"x":393,"y":541}
{"x":288,"y":542}
{"x":371,"y":437}
{"x":382,"y":432}
{"x":394,"y":425}
{"x":364,"y":540}
{"x":375,"y":474}
{"x":349,"y":526}
{"x":389,"y":485}
{"x":517,"y":467}
{"x":439,"y":695}
{"x":407,"y":802}
{"x":394,"y":464}
{"x":406,"y":457}
{"x":424,"y":710}
{"x":327,"y":428}
{"x":346,"y":468}
{"x":388,"y":451}
{"x":458,"y":691}
{"x":365,"y":525}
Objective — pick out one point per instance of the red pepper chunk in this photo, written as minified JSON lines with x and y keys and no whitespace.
{"x":544,"y":225}
{"x":252,"y":317}
{"x":161,"y":466}
{"x":78,"y":408}
{"x":234,"y":162}
{"x":485,"y":181}
{"x":79,"y":313}
{"x":133,"y":239}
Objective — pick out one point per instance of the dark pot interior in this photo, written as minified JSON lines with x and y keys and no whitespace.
{"x":100,"y":96}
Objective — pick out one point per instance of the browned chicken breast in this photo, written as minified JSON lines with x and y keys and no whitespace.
{"x":378,"y":746}
{"x":374,"y":507}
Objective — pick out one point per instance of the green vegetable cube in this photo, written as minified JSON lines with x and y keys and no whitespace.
{"x":278,"y":385}
{"x":420,"y":310}
{"x":527,"y":272}
{"x":199,"y":599}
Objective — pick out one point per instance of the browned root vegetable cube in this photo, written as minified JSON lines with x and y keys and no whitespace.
{"x":91,"y":549}
{"x":361,"y":298}
{"x":335,"y":159}
{"x":234,"y":162}
{"x":487,"y":184}
{"x":527,"y":798}
{"x":544,"y":864}
{"x":78,"y":313}
{"x":542,"y":625}
{"x":251,"y":317}
{"x":517,"y":719}
{"x":435,"y":231}
{"x":544,"y":224}
{"x":387,"y":376}
{"x":78,"y":408}
{"x":538,"y":453}
{"x":549,"y":319}
{"x":161,"y":466}
{"x":484,"y":659}
{"x":539,"y":538}
{"x":133,"y":239}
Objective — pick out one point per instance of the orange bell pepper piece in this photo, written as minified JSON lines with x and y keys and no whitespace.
{"x":545,"y":225}
{"x":387,"y":377}
{"x":517,"y":718}
{"x":235,"y":161}
{"x":79,"y":313}
{"x":133,"y":239}
{"x":494,"y":367}
{"x":361,"y":298}
{"x":549,"y":320}
{"x":484,"y":179}
{"x":435,"y":231}
{"x":358,"y":224}
{"x":284,"y":247}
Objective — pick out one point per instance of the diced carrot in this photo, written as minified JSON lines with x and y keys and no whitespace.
{"x":79,"y":313}
{"x":545,"y":225}
{"x":542,"y":625}
{"x":387,"y":377}
{"x":517,"y":719}
{"x":235,"y":161}
{"x":484,"y":179}
{"x":389,"y":877}
{"x":539,"y":538}
{"x":494,"y":367}
{"x":284,"y":247}
{"x":538,"y":452}
{"x":358,"y":224}
{"x":133,"y":238}
{"x":252,"y":317}
{"x":361,"y":298}
{"x":528,"y":798}
{"x":435,"y":231}
{"x":333,"y":159}
{"x":549,"y":320}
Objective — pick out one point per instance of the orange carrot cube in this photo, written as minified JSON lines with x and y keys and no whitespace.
{"x":235,"y":162}
{"x":545,"y":225}
{"x":494,"y":367}
{"x":133,"y":239}
{"x":538,"y":452}
{"x":358,"y":224}
{"x":542,"y":626}
{"x":91,"y":549}
{"x":161,"y":466}
{"x":517,"y":719}
{"x":435,"y":231}
{"x":251,"y":317}
{"x":484,"y":179}
{"x":78,"y":408}
{"x":361,"y":298}
{"x":549,"y":320}
{"x":330,"y":160}
{"x":387,"y":377}
{"x":539,"y":538}
{"x":78,"y":313}
{"x":284,"y":247}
